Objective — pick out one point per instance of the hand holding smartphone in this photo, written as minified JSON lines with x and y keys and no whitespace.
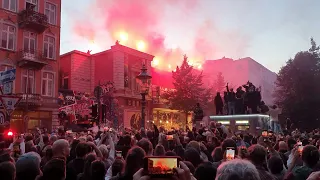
{"x":230,"y":153}
{"x":160,"y":166}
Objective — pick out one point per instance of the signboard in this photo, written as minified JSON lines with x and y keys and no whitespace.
{"x":9,"y":103}
{"x":66,"y":97}
{"x":8,"y":76}
{"x":3,"y":119}
{"x":7,"y":88}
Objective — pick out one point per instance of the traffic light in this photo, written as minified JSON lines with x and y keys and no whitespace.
{"x":10,"y":133}
{"x":94,"y":112}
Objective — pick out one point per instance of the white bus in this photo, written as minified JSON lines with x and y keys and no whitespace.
{"x":252,"y":123}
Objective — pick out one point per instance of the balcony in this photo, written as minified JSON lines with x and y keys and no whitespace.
{"x":32,"y":20}
{"x":31,"y":100}
{"x":31,"y":59}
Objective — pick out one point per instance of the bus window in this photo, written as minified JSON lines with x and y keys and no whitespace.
{"x":242,"y":125}
{"x":225,"y":123}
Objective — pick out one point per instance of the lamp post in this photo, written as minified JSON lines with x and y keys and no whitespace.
{"x":144,"y":77}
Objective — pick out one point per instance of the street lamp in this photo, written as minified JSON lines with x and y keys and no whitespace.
{"x":144,"y":77}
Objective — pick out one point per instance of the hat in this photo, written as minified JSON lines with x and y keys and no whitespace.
{"x":29,"y":162}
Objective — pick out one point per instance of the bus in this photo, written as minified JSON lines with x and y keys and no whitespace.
{"x":253,"y":123}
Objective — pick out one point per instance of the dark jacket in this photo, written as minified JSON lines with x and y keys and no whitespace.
{"x":74,"y":168}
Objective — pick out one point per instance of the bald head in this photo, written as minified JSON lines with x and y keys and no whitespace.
{"x":60,"y":148}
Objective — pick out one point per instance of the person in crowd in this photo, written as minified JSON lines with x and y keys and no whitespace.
{"x":55,"y":169}
{"x":231,"y":100}
{"x":86,"y":173}
{"x":237,"y":170}
{"x":205,"y":171}
{"x":117,"y":167}
{"x":75,"y":166}
{"x":134,"y":161}
{"x":7,"y":171}
{"x":310,"y":158}
{"x":219,"y":104}
{"x":258,"y":155}
{"x":28,"y":166}
{"x":146,"y":145}
{"x":98,"y":170}
{"x":60,"y":149}
{"x":159,"y":150}
{"x":240,"y":100}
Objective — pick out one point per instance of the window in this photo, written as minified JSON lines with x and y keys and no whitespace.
{"x":66,"y":83}
{"x":49,"y":47}
{"x":47,"y":84}
{"x":8,"y":36}
{"x":32,"y":4}
{"x":28,"y":81}
{"x":50,"y":11}
{"x":29,"y":42}
{"x":10,"y":5}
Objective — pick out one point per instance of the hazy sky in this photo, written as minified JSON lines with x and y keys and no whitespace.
{"x":268,"y":31}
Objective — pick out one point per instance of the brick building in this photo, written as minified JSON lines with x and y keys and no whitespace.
{"x":120,"y":64}
{"x":30,"y":43}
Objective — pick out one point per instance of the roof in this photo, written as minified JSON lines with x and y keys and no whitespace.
{"x":75,"y":52}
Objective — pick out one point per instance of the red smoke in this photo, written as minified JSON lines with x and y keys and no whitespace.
{"x":139,"y":24}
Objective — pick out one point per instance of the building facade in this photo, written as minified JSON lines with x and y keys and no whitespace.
{"x":30,"y":44}
{"x":238,"y":72}
{"x":82,"y":72}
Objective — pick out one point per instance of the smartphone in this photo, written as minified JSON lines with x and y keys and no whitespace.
{"x":230,"y":153}
{"x":169,"y":137}
{"x":161,"y":166}
{"x":119,"y":154}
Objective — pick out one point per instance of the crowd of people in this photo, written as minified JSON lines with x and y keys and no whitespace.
{"x":108,"y":154}
{"x":247,"y":101}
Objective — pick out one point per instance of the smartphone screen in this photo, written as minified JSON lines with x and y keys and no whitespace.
{"x":169,"y":137}
{"x":161,"y":166}
{"x":119,"y":154}
{"x":230,"y":154}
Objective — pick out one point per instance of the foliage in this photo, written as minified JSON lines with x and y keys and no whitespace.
{"x":219,"y":84}
{"x":298,"y":87}
{"x":189,"y":89}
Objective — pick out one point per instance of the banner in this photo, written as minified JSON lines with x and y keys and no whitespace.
{"x":66,"y":97}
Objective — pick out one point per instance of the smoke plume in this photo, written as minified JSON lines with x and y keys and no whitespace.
{"x":140,"y":24}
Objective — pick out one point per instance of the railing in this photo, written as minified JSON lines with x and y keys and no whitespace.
{"x":31,"y":55}
{"x":31,"y":99}
{"x":33,"y":16}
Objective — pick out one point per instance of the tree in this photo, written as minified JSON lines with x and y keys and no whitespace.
{"x":219,"y":84}
{"x":298,"y":87}
{"x":188,"y":89}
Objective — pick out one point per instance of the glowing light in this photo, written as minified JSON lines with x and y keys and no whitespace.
{"x":169,"y":66}
{"x":123,"y":37}
{"x":167,"y":122}
{"x":160,"y":121}
{"x":10,"y":133}
{"x":200,"y":66}
{"x":152,"y":121}
{"x":141,"y":46}
{"x":155,"y":62}
{"x":190,"y":63}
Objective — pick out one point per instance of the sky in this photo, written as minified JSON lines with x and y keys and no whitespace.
{"x":270,"y":31}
